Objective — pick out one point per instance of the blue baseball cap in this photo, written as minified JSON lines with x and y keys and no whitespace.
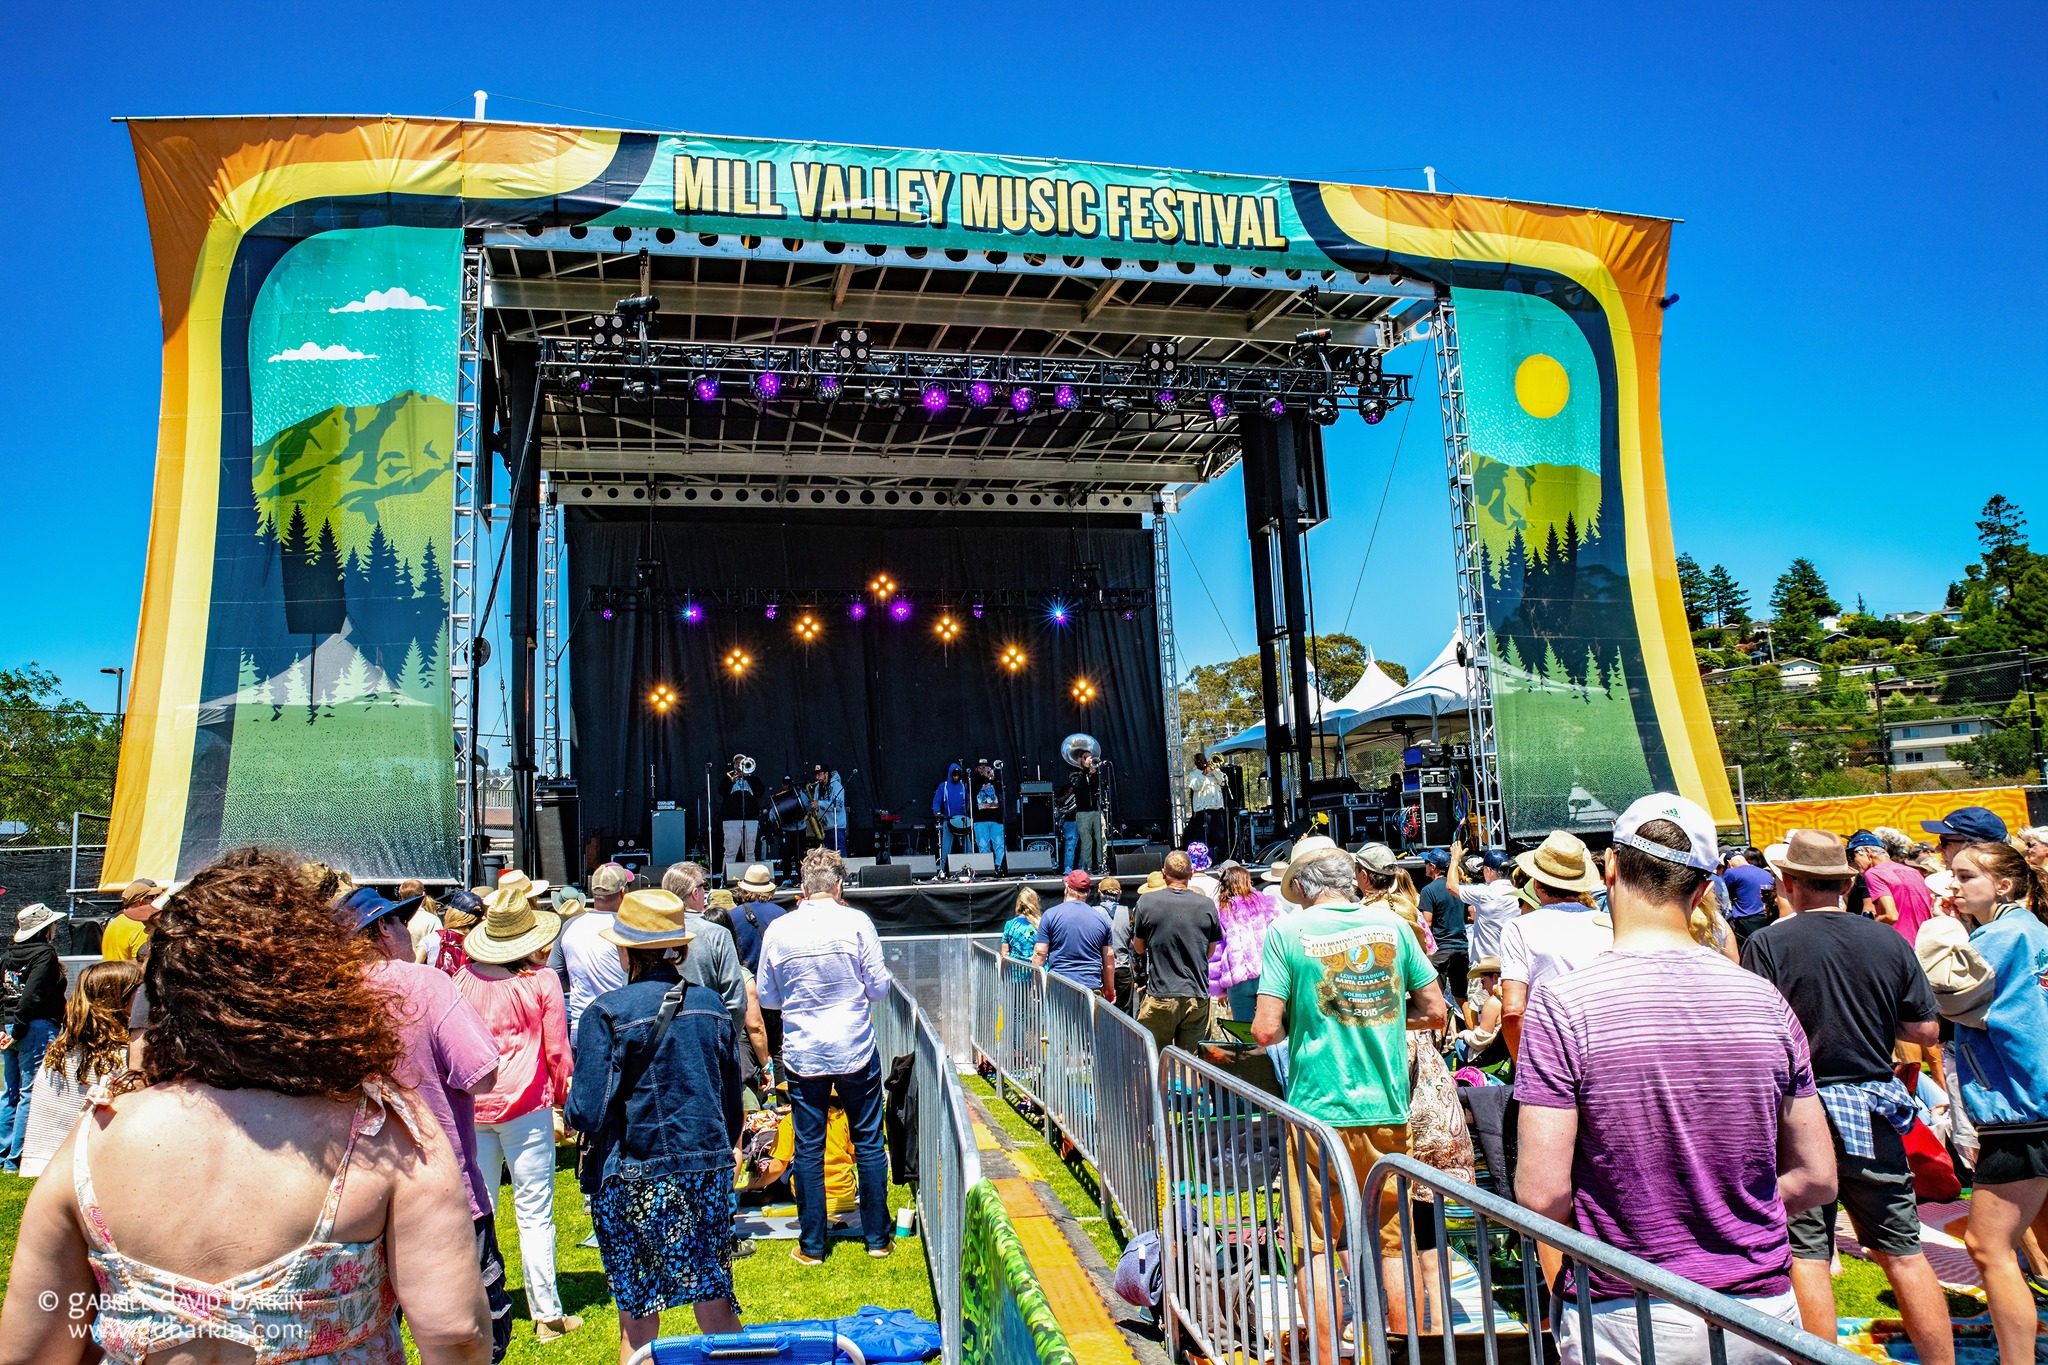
{"x":1439,"y":858}
{"x":1497,"y":859}
{"x":363,"y":907}
{"x":1973,"y":823}
{"x":1863,"y":838}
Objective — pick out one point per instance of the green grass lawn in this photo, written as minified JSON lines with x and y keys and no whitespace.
{"x":771,"y":1287}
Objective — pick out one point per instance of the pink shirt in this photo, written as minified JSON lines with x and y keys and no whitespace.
{"x":1238,"y":958}
{"x":1909,"y":893}
{"x":530,"y":1025}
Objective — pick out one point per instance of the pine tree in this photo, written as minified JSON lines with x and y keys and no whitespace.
{"x":1696,"y":590}
{"x":1801,"y":598}
{"x":1617,"y":682}
{"x":1592,"y":675}
{"x":1728,"y":602}
{"x":2002,"y":531}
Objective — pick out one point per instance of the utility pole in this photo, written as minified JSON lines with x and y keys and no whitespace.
{"x":2033,"y":715}
{"x":1884,"y":736}
{"x":120,"y":676}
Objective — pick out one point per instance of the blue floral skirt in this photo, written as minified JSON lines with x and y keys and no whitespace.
{"x":666,"y":1240}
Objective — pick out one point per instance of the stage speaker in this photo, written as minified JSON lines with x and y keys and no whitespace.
{"x":556,"y":832}
{"x":1142,"y":863}
{"x":1031,"y":862}
{"x":669,"y":836}
{"x":984,"y":864}
{"x":854,"y":865}
{"x":1035,"y":810}
{"x":922,"y":865}
{"x":884,"y":874}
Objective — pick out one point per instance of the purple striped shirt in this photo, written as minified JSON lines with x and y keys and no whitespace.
{"x":1678,"y":1063}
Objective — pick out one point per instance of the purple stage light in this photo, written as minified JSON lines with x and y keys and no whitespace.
{"x":1058,"y":613}
{"x":705,"y":387}
{"x":933,"y":398}
{"x":828,"y":386}
{"x":981,"y":393}
{"x":1166,"y":400}
{"x":770,"y":613}
{"x":899,"y":610}
{"x":1065,"y":398}
{"x":977,"y":611}
{"x":768,"y":386}
{"x":606,"y":613}
{"x":692,"y":613}
{"x":1022,"y":399}
{"x":1276,"y":408}
{"x":1219,"y":406}
{"x":857,"y":609}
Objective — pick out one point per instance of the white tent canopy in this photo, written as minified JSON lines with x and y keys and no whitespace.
{"x":1372,"y":688}
{"x":1327,"y":712}
{"x":1439,"y":690}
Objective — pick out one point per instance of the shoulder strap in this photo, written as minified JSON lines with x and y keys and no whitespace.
{"x":323,"y":1230}
{"x":636,"y":1063}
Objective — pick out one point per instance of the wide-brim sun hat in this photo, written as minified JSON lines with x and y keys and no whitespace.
{"x":1154,"y":881}
{"x":35,"y":918}
{"x":513,"y":929}
{"x":1307,"y":846}
{"x":1562,"y":862}
{"x":1816,"y":853}
{"x":649,"y":919}
{"x":758,"y":878}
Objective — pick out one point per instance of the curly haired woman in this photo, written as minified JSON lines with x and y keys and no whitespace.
{"x":263,"y":1116}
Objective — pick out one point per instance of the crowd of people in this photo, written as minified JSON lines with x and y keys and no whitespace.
{"x":277,"y":1049}
{"x":1695,"y":1054}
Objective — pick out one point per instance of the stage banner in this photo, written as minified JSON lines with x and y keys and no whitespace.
{"x":1771,"y":821}
{"x":307,"y":270}
{"x":1007,"y":1320}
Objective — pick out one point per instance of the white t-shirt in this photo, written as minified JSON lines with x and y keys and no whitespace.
{"x":821,"y":965}
{"x":1493,"y":904}
{"x":1549,"y":942}
{"x":592,"y":960}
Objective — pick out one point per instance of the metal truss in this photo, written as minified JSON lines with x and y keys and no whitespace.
{"x":854,"y":493}
{"x":551,"y":641}
{"x":1169,"y":658}
{"x":1474,"y":640}
{"x":605,"y":598}
{"x":463,"y":561}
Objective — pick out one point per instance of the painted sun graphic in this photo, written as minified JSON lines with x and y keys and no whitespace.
{"x":1541,"y":386}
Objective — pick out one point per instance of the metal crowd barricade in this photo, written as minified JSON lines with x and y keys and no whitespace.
{"x":1068,"y":1084}
{"x":1252,"y":1192}
{"x":1127,"y":1126}
{"x":948,"y":1164}
{"x":1721,"y":1313}
{"x":1015,"y":1043}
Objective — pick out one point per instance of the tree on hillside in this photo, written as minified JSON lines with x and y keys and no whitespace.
{"x":1218,"y":700}
{"x":1694,"y":588}
{"x":56,"y":756}
{"x":1801,"y":598}
{"x":2002,"y":531}
{"x":1730,"y":604}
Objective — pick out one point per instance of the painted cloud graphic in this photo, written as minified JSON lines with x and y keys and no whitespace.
{"x":381,"y":300}
{"x":313,"y":351}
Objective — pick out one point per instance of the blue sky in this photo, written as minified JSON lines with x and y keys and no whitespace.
{"x":1858,"y":359}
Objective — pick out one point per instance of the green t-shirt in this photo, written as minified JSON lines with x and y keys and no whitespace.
{"x":1345,"y":972}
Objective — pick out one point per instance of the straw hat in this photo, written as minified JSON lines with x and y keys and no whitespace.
{"x":1306,"y":847}
{"x":512,"y":929}
{"x":1815,"y":853}
{"x":570,"y":902}
{"x":649,"y":919}
{"x":1562,"y":863}
{"x":758,"y":878}
{"x":1154,"y":881}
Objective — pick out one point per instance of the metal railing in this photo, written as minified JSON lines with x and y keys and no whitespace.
{"x":948,"y":1164}
{"x":934,"y":969}
{"x":1577,"y":1336}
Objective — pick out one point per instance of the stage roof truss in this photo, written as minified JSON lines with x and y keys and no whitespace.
{"x":750,"y":292}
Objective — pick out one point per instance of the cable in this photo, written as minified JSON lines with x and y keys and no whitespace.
{"x":570,"y":109}
{"x":1399,"y":441}
{"x":1197,"y":566}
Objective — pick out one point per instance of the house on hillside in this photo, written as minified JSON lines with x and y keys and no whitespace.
{"x":1925,"y":744}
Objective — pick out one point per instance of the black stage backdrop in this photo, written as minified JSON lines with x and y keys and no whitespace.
{"x":882,"y":701}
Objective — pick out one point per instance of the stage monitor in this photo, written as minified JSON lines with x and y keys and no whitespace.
{"x":884,"y":874}
{"x":854,"y":865}
{"x":1030,"y":862}
{"x":981,"y":864}
{"x":670,"y":837}
{"x":1142,"y":863}
{"x":921,"y":865}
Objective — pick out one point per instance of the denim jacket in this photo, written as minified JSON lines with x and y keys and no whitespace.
{"x":2004,"y":1065}
{"x":684,"y":1115}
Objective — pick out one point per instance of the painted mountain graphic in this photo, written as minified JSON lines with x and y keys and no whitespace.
{"x":387,"y":464}
{"x":1532,"y":499}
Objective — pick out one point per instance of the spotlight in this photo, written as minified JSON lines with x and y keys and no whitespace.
{"x":828,"y":387}
{"x":1275,"y":408}
{"x":899,"y":610}
{"x":948,"y":630}
{"x":885,"y":393}
{"x":882,"y":586}
{"x":1166,"y":400}
{"x":1058,"y":613}
{"x":1065,"y":397}
{"x":1082,"y":691}
{"x":851,"y":346}
{"x":1022,"y":399}
{"x":767,"y":386}
{"x":704,"y":388}
{"x":1116,"y":404}
{"x":807,"y":627}
{"x":1012,"y":658}
{"x":606,"y":613}
{"x":857,"y":609}
{"x":692,"y":613}
{"x":1219,"y":406}
{"x":977,"y":611}
{"x":933,"y":398}
{"x":980,"y":394}
{"x":1322,"y":410}
{"x":770,"y":612}
{"x":661,"y":698}
{"x":1373,"y":410}
{"x":737,"y":661}
{"x":1161,"y":357}
{"x":641,"y":384}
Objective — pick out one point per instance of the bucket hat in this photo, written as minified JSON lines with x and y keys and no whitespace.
{"x":758,"y":878}
{"x":649,"y":919}
{"x":1964,"y":984}
{"x":1562,"y":862}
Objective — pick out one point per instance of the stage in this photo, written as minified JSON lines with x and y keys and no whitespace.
{"x":981,"y":906}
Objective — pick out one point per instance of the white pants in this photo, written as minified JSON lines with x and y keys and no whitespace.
{"x":1680,"y":1338}
{"x":740,"y":837}
{"x":527,"y":1145}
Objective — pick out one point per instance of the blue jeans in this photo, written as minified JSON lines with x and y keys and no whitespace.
{"x":1244,"y":1000}
{"x":950,"y":838}
{"x":988,"y":838}
{"x":860,"y":1092}
{"x":1070,"y":840}
{"x":31,"y":1038}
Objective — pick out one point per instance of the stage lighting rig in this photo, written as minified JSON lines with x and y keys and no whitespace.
{"x":704,"y":387}
{"x":1162,"y":357}
{"x":850,"y":346}
{"x":1083,"y":691}
{"x":1012,"y":658}
{"x":934,"y":398}
{"x":947,"y":629}
{"x":738,"y":661}
{"x":661,"y":697}
{"x":1322,"y":410}
{"x":807,"y":627}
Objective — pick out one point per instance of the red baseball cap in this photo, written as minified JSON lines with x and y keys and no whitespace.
{"x":1077,"y":880}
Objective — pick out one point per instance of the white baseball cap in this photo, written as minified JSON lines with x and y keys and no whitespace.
{"x":1687,"y":815}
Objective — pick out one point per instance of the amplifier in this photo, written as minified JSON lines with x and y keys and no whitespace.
{"x":1034,"y":810}
{"x":1435,"y":777}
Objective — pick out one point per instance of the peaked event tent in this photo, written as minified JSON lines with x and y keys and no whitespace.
{"x":1438,"y":691}
{"x":1326,"y":711}
{"x":1372,"y":688}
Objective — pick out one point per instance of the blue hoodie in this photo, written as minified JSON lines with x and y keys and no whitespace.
{"x":2004,"y":1065}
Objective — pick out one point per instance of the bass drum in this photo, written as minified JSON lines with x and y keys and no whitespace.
{"x":785,"y":810}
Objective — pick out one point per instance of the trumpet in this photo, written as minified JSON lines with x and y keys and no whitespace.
{"x":742,"y":766}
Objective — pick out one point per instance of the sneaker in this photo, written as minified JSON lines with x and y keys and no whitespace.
{"x":797,"y":1254}
{"x":881,"y":1251}
{"x":545,"y":1330}
{"x":743,"y":1247}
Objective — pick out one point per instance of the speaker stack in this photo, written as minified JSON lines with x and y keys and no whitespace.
{"x":558,"y":832}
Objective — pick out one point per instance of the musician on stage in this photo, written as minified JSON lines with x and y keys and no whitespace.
{"x":1070,"y":832}
{"x":949,"y":813}
{"x":987,"y":798}
{"x":1090,"y":850}
{"x":740,"y":812}
{"x":826,"y":799}
{"x":1207,"y":822}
